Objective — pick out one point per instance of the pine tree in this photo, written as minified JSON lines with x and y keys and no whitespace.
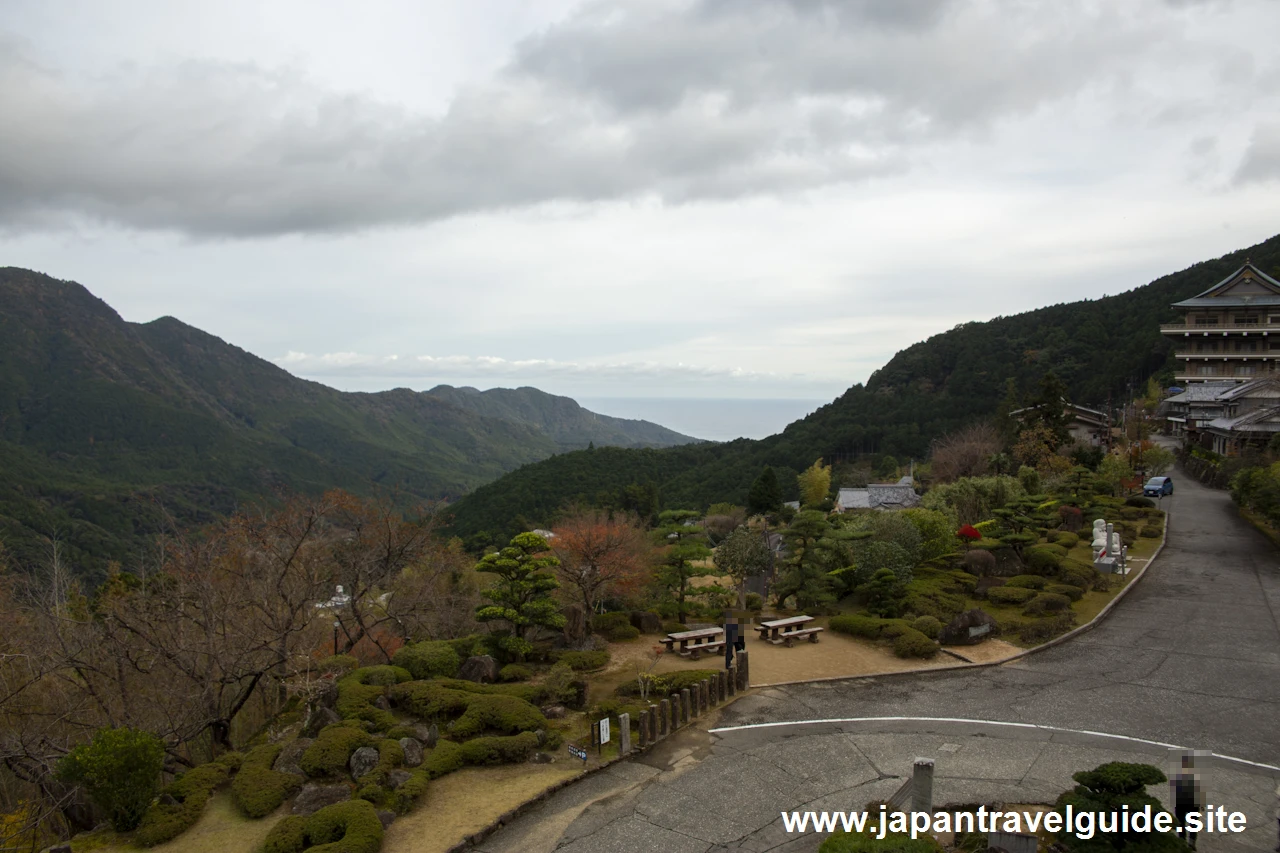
{"x":765,"y":495}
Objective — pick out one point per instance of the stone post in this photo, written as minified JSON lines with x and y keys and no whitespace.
{"x":704,"y":698}
{"x":664,"y":717}
{"x":686,"y":707}
{"x":922,"y":786}
{"x":624,"y":733}
{"x":642,"y":736}
{"x":676,"y":721}
{"x":744,"y":671}
{"x":724,"y":687}
{"x":733,"y":680}
{"x":712,"y":684}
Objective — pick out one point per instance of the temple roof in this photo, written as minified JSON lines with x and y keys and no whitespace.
{"x":1245,"y":287}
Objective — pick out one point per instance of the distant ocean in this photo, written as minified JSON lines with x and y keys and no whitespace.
{"x":716,"y":420}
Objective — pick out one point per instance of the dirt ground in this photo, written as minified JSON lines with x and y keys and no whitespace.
{"x":220,"y":829}
{"x":470,"y":799}
{"x":986,"y":651}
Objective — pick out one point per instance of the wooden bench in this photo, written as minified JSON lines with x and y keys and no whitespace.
{"x":786,"y":631}
{"x":694,"y":643}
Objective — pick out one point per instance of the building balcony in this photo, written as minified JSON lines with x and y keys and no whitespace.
{"x":1220,"y":374}
{"x":1218,"y":328}
{"x":1194,"y":355}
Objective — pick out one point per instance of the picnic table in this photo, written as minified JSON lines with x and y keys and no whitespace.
{"x":694,"y":643}
{"x":786,"y":631}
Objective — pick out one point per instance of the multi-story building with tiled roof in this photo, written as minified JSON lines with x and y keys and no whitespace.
{"x":1231,"y":332}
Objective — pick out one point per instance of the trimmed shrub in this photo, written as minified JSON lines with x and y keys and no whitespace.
{"x":622,"y":633}
{"x":673,"y":627}
{"x":1130,"y":513}
{"x":1139,"y":501}
{"x":1074,"y":593}
{"x":857,"y":626}
{"x":350,"y":827}
{"x":120,"y":770}
{"x":1010,"y":595}
{"x":1040,"y":630}
{"x":980,"y":562}
{"x":430,"y":700}
{"x":1043,"y":561}
{"x":338,"y":664}
{"x":1046,"y":602}
{"x":403,"y":798}
{"x":257,"y":789}
{"x":964,"y":580}
{"x":605,"y":622}
{"x":332,"y":749}
{"x":893,"y":628}
{"x":500,"y":750}
{"x":929,"y":626}
{"x":515,"y":672}
{"x":585,"y":661}
{"x":432,"y":659}
{"x":1150,"y":532}
{"x":191,"y":790}
{"x":755,"y":601}
{"x":287,"y":836}
{"x":1078,"y":574}
{"x":859,"y":842}
{"x":914,"y":644}
{"x":1066,"y":540}
{"x":382,"y":676}
{"x":445,"y":758}
{"x":1026,"y":581}
{"x":355,"y":700}
{"x":668,"y":682}
{"x":505,"y":714}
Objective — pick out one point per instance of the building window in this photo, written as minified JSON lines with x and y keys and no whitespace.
{"x":1245,"y":370}
{"x":1207,"y":320}
{"x":1205,"y":370}
{"x":1245,"y":320}
{"x":1273,"y":320}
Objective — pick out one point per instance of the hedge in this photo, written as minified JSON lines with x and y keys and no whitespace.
{"x":383,"y":675}
{"x":1066,"y":540}
{"x":667,"y":683}
{"x":1039,"y":630}
{"x":515,"y":672}
{"x":1010,"y":595}
{"x":584,"y":661}
{"x":430,"y":700}
{"x":1139,"y":501}
{"x":355,"y":699}
{"x":433,"y":659}
{"x":350,"y":827}
{"x":329,"y":754}
{"x":287,"y":836}
{"x":1026,"y":581}
{"x":192,"y":790}
{"x":913,"y":644}
{"x":1074,"y":593}
{"x":1046,"y":602}
{"x":857,"y":842}
{"x":500,"y":750}
{"x":443,"y":759}
{"x":505,"y":714}
{"x":857,"y":626}
{"x":257,"y":789}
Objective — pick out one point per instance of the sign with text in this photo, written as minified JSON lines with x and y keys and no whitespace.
{"x":578,"y":752}
{"x":604,"y":731}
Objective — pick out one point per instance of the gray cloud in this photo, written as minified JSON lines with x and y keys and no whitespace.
{"x":682,"y":101}
{"x":1262,"y":158}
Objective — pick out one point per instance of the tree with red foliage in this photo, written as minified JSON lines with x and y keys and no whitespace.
{"x":969,"y":534}
{"x":600,"y":554}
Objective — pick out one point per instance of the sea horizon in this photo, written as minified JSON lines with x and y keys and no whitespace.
{"x":708,"y":418}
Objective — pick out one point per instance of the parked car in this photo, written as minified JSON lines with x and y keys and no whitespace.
{"x":1158,"y":486}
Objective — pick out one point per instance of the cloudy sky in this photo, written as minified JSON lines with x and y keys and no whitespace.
{"x":702,"y":198}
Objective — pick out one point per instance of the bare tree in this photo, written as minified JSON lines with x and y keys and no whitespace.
{"x":966,"y":453}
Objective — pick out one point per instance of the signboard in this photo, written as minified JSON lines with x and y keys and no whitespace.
{"x":604,"y":731}
{"x":578,"y":752}
{"x":979,"y":630}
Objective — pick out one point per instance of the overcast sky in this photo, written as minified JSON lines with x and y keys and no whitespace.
{"x":724,"y":198}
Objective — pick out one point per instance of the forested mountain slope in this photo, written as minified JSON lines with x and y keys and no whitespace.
{"x":107,"y":427}
{"x":1097,"y":347}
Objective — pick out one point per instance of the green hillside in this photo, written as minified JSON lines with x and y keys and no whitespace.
{"x":1097,"y":347}
{"x":110,"y":430}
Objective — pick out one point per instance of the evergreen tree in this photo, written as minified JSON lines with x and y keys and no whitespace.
{"x":743,"y":554}
{"x":766,"y":493}
{"x":683,"y":546}
{"x":521,"y":595}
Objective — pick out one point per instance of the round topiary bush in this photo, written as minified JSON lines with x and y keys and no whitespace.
{"x":432,"y":659}
{"x":350,"y":827}
{"x":499,"y":750}
{"x":1046,"y":602}
{"x":1010,"y":595}
{"x":622,"y":633}
{"x":496,"y":713}
{"x":929,"y":626}
{"x":1026,"y":581}
{"x":257,"y":789}
{"x":585,"y":661}
{"x":1042,"y":561}
{"x":1066,"y":540}
{"x":1139,"y":501}
{"x":515,"y":672}
{"x":1150,"y":532}
{"x":913,"y":644}
{"x":857,"y":626}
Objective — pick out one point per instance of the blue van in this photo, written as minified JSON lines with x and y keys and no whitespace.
{"x":1158,"y":487}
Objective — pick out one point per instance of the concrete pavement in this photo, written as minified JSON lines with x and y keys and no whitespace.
{"x":1190,"y":658}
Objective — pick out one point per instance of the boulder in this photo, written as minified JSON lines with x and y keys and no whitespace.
{"x":968,"y":629}
{"x":312,"y":798}
{"x":386,"y":817}
{"x":433,"y":736}
{"x":554,"y":712}
{"x":412,"y":751}
{"x":167,"y":799}
{"x":541,"y":758}
{"x":288,"y":761}
{"x":317,"y":719}
{"x":575,"y":625}
{"x":381,"y":703}
{"x":481,"y":669}
{"x":541,"y":735}
{"x":646,"y":622}
{"x":362,"y":762}
{"x":396,"y":778}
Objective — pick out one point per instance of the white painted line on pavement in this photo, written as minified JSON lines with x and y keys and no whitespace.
{"x":1037,"y":726}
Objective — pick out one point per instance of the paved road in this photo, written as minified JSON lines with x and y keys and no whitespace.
{"x":1190,"y":657}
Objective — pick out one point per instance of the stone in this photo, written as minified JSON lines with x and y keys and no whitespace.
{"x":687,"y":708}
{"x":482,"y":669}
{"x":542,"y":758}
{"x":59,"y":848}
{"x":432,"y":736}
{"x":970,"y":627}
{"x":318,"y":718}
{"x":541,"y":735}
{"x":290,"y":757}
{"x":624,"y":733}
{"x":168,"y":800}
{"x":386,"y":817}
{"x":362,"y":762}
{"x":554,"y":712}
{"x":575,"y":625}
{"x":646,"y":622}
{"x":412,"y":751}
{"x":664,"y":719}
{"x":396,"y":778}
{"x":381,"y":703}
{"x":312,"y":798}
